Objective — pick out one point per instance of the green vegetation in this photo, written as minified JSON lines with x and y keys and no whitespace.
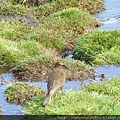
{"x":46,"y":7}
{"x":57,"y":31}
{"x":10,"y":9}
{"x":31,"y":37}
{"x":14,"y":30}
{"x":89,"y":101}
{"x":110,"y":87}
{"x":19,"y":93}
{"x":39,"y":67}
{"x":23,"y":44}
{"x":31,"y":2}
{"x":99,"y":47}
{"x":62,"y":28}
{"x":89,"y":6}
{"x":13,"y":52}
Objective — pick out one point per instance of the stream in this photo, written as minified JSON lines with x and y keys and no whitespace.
{"x":110,"y":19}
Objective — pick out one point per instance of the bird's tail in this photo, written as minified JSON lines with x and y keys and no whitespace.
{"x":48,"y":97}
{"x":47,"y":100}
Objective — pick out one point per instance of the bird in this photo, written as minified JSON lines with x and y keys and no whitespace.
{"x":56,"y":81}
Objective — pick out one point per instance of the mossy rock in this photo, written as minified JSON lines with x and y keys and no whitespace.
{"x":19,"y":93}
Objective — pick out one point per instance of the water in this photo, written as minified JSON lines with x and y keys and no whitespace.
{"x":110,"y":19}
{"x":108,"y":71}
{"x":9,"y":109}
{"x":67,"y":54}
{"x":6,"y":79}
{"x":74,"y":85}
{"x":13,"y":109}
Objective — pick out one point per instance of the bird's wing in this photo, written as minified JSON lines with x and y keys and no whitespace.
{"x":54,"y":79}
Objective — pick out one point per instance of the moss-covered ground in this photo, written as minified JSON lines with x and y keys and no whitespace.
{"x":26,"y":36}
{"x":20,"y":93}
{"x":96,"y":99}
{"x":99,"y":47}
{"x":32,"y":36}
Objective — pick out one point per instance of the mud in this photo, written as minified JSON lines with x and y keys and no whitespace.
{"x":26,"y":18}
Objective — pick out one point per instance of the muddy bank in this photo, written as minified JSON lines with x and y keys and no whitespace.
{"x":39,"y":71}
{"x":26,"y":18}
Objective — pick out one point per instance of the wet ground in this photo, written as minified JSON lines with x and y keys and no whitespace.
{"x":26,"y":18}
{"x":7,"y":79}
{"x":110,"y":19}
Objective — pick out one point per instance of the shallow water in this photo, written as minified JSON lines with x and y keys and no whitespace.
{"x":110,"y":19}
{"x":9,"y":109}
{"x":13,"y":109}
{"x":108,"y":71}
{"x":6,"y":79}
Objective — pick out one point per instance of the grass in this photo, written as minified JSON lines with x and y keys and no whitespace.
{"x":12,"y":52}
{"x":20,"y":42}
{"x":109,"y":87}
{"x":22,"y":45}
{"x":30,"y":50}
{"x":7,"y":8}
{"x":19,"y":93}
{"x":89,"y":6}
{"x":14,"y":30}
{"x":30,"y":2}
{"x":39,"y":67}
{"x":20,"y":7}
{"x":85,"y":102}
{"x":99,"y":47}
{"x":57,"y":31}
{"x":61,"y":28}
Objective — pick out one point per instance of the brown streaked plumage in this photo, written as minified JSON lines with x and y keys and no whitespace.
{"x":56,"y":81}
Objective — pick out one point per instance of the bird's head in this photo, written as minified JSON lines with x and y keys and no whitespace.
{"x":60,"y":64}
